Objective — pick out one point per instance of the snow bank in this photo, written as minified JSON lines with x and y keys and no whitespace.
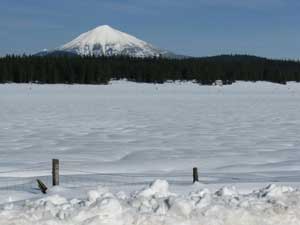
{"x":156,"y":205}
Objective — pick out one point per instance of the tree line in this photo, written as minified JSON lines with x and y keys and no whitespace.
{"x":100,"y":70}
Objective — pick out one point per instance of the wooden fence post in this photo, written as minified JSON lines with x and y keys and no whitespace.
{"x":55,"y":172}
{"x":195,"y":175}
{"x":42,"y":186}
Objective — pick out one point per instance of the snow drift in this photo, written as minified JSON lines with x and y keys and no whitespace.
{"x":156,"y":205}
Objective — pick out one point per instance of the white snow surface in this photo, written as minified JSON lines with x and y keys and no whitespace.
{"x":105,"y":40}
{"x":125,"y":135}
{"x":245,"y":131}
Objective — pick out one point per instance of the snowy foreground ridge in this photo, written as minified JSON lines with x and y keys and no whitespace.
{"x":156,"y":205}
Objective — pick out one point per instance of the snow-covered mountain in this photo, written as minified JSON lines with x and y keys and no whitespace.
{"x":107,"y":41}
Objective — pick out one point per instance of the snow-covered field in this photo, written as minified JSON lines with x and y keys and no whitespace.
{"x":125,"y":135}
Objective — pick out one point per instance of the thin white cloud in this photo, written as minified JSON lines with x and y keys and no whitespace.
{"x":245,"y":3}
{"x":24,"y":24}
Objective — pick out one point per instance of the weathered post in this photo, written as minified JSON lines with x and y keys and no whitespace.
{"x":42,"y":186}
{"x":195,"y":175}
{"x":55,"y":172}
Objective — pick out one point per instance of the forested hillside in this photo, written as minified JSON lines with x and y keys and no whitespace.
{"x":100,"y":70}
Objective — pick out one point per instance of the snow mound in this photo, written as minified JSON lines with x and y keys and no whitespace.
{"x":225,"y":191}
{"x":53,"y":199}
{"x":159,"y":188}
{"x":275,"y":191}
{"x":156,"y":206}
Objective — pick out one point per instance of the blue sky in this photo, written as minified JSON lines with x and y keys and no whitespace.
{"x":191,"y":27}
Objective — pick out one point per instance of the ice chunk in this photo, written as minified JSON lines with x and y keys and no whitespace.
{"x":159,"y":188}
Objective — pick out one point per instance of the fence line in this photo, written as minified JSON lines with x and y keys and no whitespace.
{"x":82,"y":178}
{"x":85,"y":178}
{"x":71,"y":176}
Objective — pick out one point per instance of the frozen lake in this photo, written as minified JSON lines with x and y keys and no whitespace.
{"x":246,"y":132}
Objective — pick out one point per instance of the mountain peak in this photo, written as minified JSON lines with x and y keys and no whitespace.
{"x":105,"y":27}
{"x":107,"y":41}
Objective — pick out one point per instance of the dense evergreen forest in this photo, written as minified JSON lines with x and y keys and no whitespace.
{"x":100,"y":70}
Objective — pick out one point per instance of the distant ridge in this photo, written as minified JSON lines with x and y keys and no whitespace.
{"x":100,"y":70}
